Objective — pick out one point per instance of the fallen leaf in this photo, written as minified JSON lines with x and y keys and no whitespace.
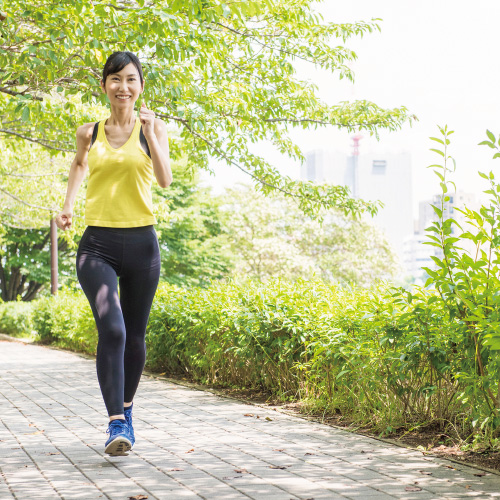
{"x":241,"y":471}
{"x":267,"y":418}
{"x":480,"y":474}
{"x":258,"y":416}
{"x":138,"y":497}
{"x":308,"y":453}
{"x":413,"y":488}
{"x":231,"y":477}
{"x":449,"y":467}
{"x":248,"y":415}
{"x":427,"y":473}
{"x":467,"y":486}
{"x":278,"y":449}
{"x":190,"y":451}
{"x":53,"y":453}
{"x":277,"y":466}
{"x":175,"y":469}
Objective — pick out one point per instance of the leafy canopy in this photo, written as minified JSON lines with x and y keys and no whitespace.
{"x":270,"y":237}
{"x":222,"y":72}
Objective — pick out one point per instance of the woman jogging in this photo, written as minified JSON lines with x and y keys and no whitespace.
{"x":119,"y":244}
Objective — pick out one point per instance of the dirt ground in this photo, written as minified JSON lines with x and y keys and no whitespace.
{"x":430,"y":441}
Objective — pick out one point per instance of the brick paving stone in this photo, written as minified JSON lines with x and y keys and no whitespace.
{"x":191,"y":444}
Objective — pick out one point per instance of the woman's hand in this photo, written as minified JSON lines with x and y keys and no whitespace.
{"x":147,"y":118}
{"x":64,"y":219}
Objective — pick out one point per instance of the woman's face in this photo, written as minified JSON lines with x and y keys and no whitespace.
{"x":123,"y":88}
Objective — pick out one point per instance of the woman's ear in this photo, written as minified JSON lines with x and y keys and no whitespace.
{"x":103,"y":86}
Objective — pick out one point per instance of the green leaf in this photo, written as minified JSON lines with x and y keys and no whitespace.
{"x":437,"y":151}
{"x":487,"y":143}
{"x":491,"y":136}
{"x":438,"y":211}
{"x":436,"y":139}
{"x":26,"y":114}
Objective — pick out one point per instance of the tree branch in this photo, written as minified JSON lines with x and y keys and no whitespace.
{"x":11,"y":92}
{"x":25,"y":202}
{"x":38,"y":141}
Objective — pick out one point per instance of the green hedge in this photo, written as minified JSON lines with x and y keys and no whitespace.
{"x":16,"y":319}
{"x":374,"y":358}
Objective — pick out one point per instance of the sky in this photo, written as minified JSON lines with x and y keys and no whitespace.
{"x":439,"y":59}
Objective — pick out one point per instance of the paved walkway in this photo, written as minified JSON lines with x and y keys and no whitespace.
{"x":191,"y":444}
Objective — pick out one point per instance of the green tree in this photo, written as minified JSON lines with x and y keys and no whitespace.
{"x":25,"y":262}
{"x":193,"y":242}
{"x":32,"y":183}
{"x":270,"y":236}
{"x":222,"y":72}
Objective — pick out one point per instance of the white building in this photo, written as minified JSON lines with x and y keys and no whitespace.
{"x":417,"y":254}
{"x":384,"y":177}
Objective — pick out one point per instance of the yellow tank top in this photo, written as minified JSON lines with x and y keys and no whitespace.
{"x":119,"y":184}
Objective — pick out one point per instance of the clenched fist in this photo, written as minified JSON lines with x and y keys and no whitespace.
{"x":64,"y":220}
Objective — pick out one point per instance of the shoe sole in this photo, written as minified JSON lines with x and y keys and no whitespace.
{"x":118,"y":447}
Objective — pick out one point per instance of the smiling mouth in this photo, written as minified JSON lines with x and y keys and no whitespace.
{"x":123,"y":97}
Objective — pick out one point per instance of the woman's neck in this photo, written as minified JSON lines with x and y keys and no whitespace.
{"x":121,"y":117}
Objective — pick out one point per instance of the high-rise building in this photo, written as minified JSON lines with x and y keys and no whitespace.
{"x":417,"y":253}
{"x":384,"y":177}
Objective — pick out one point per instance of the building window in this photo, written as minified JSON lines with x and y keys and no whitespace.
{"x":378,"y":167}
{"x":311,"y":167}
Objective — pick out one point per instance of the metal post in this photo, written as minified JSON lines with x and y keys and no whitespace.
{"x":53,"y":257}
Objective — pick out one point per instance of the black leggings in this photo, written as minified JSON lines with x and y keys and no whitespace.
{"x":132,"y":255}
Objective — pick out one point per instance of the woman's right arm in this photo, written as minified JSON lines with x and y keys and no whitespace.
{"x":76,"y":174}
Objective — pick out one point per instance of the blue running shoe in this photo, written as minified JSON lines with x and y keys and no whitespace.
{"x":119,"y":438}
{"x":128,"y":417}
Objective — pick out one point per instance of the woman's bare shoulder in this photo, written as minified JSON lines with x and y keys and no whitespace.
{"x":85,"y":130}
{"x":160,"y":125}
{"x":84,"y":135}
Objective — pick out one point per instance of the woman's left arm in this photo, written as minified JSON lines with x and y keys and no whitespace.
{"x":155,"y":131}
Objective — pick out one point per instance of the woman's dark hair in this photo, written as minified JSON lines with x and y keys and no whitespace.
{"x":117,"y":61}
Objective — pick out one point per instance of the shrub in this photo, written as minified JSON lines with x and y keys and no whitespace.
{"x":66,"y":321}
{"x":16,"y":319}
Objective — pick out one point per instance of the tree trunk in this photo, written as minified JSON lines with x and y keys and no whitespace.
{"x":3,"y":282}
{"x":13,"y":278}
{"x":33,"y":289}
